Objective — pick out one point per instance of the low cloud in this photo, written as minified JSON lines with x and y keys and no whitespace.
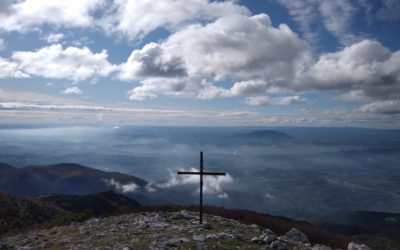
{"x":123,"y":188}
{"x":212,"y":184}
{"x":265,"y":100}
{"x":388,"y":107}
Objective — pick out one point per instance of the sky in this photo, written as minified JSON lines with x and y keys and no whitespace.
{"x":200,"y":62}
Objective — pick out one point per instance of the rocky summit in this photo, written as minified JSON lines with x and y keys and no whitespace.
{"x":161,"y":230}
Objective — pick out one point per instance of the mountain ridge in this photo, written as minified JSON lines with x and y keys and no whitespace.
{"x":62,"y":178}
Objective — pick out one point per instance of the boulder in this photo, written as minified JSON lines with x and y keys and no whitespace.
{"x":320,"y":247}
{"x":295,"y":235}
{"x":355,"y":246}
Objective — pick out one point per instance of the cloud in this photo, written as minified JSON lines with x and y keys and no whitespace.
{"x":2,"y":44}
{"x":150,"y":61}
{"x":258,"y":100}
{"x":190,"y":87}
{"x":54,"y":38}
{"x":135,"y":19}
{"x":26,"y":15}
{"x":72,"y":90}
{"x":337,"y":18}
{"x":367,"y":66}
{"x":288,"y":100}
{"x":212,"y":184}
{"x":237,"y":46}
{"x":390,"y":10}
{"x":388,"y":107}
{"x":123,"y":188}
{"x":249,"y":87}
{"x":10,"y":70}
{"x":71,"y":63}
{"x":265,"y":100}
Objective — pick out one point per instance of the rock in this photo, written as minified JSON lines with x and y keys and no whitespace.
{"x":221,"y":236}
{"x":295,"y":235}
{"x":355,"y":246}
{"x":279,"y":245}
{"x":198,"y":237}
{"x":184,"y":214}
{"x":255,"y":240}
{"x":320,"y":247}
{"x":268,"y":236}
{"x":255,"y":228}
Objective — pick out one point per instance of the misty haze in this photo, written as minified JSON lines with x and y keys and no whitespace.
{"x":300,"y":172}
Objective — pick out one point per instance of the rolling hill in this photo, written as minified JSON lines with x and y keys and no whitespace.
{"x":65,"y":178}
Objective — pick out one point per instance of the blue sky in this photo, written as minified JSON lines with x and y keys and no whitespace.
{"x":198,"y":62}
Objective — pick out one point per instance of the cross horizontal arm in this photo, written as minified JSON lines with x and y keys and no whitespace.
{"x":204,"y":173}
{"x":213,"y":173}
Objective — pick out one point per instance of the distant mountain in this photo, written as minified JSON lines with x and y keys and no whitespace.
{"x":269,"y":134}
{"x":65,"y":178}
{"x":5,"y":167}
{"x":18,"y":212}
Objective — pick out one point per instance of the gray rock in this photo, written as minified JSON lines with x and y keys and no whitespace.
{"x":268,"y":236}
{"x":221,"y":236}
{"x":279,"y":245}
{"x":355,"y":246}
{"x":199,"y":237}
{"x":255,"y":240}
{"x":320,"y":247}
{"x":295,"y":235}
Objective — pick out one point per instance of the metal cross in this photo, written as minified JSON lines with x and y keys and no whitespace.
{"x":201,"y":173}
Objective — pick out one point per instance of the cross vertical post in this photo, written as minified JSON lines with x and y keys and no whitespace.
{"x":201,"y":187}
{"x":201,"y":173}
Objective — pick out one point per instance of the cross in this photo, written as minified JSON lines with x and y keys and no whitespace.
{"x":201,"y":173}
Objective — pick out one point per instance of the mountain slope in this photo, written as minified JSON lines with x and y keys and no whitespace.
{"x":17,"y":212}
{"x":6,"y":167}
{"x":65,"y":178}
{"x":99,"y":204}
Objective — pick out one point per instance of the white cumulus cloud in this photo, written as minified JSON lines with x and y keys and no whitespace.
{"x":26,"y":15}
{"x":367,"y":66}
{"x":135,"y":19}
{"x":10,"y":70}
{"x":54,"y":38}
{"x":71,"y":63}
{"x":72,"y":90}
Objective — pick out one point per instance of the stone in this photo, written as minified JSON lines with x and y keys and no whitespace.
{"x":279,"y":245}
{"x":355,"y":246}
{"x":295,"y":235}
{"x":255,"y":240}
{"x":221,"y":236}
{"x":320,"y":247}
{"x":199,"y":237}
